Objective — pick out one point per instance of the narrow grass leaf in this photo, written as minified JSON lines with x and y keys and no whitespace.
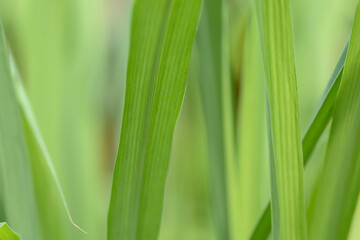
{"x":321,"y":119}
{"x":53,"y":210}
{"x":228,"y":117}
{"x":339,"y":186}
{"x":325,"y":110}
{"x":216,"y":95}
{"x":252,"y":158}
{"x":64,"y":82}
{"x":19,"y":198}
{"x":6,"y":233}
{"x":162,"y":36}
{"x":287,"y":195}
{"x":49,"y":200}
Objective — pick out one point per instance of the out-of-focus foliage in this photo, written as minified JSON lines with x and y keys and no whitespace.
{"x":217,"y":108}
{"x":18,"y":191}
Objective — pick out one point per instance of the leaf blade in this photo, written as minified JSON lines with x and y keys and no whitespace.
{"x":19,"y":198}
{"x":253,"y":151}
{"x":216,"y":98}
{"x":287,"y":195}
{"x":156,"y":82}
{"x":339,"y":187}
{"x":50,"y":205}
{"x":53,"y":208}
{"x":321,"y":119}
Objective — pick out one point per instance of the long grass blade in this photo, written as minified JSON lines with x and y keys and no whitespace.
{"x":46,"y":188}
{"x":64,"y":72}
{"x":19,"y":198}
{"x":217,"y":103}
{"x":228,"y":117}
{"x":53,"y":209}
{"x":325,"y":110}
{"x":253,"y":157}
{"x":161,"y":41}
{"x":6,"y":233}
{"x":287,"y":194}
{"x":338,"y":190}
{"x":321,"y":119}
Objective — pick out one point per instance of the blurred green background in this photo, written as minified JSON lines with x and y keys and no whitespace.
{"x":72,"y":57}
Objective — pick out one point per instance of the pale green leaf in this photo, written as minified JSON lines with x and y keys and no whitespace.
{"x":287,"y":195}
{"x":321,"y":119}
{"x":325,"y":110}
{"x":53,"y":210}
{"x":6,"y":233}
{"x":50,"y":206}
{"x":19,"y":197}
{"x":227,"y":102}
{"x":253,"y":152}
{"x":338,"y":190}
{"x":62,"y":48}
{"x":216,"y":95}
{"x":162,"y":35}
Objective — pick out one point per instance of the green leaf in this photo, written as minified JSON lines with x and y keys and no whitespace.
{"x":321,"y":119}
{"x":287,"y":194}
{"x":338,"y":190}
{"x":217,"y":103}
{"x":325,"y":109}
{"x":65,"y":83}
{"x":53,"y":210}
{"x":228,"y":126}
{"x":6,"y":233}
{"x":253,"y":157}
{"x":19,"y":198}
{"x":50,"y":209}
{"x":161,"y":41}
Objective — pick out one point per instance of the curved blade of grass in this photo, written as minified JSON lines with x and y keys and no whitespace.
{"x":64,"y":81}
{"x":19,"y":198}
{"x":161,"y":41}
{"x":325,"y":110}
{"x":339,"y":186}
{"x":50,"y":198}
{"x":6,"y":233}
{"x":321,"y":119}
{"x":287,"y":195}
{"x":46,"y":189}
